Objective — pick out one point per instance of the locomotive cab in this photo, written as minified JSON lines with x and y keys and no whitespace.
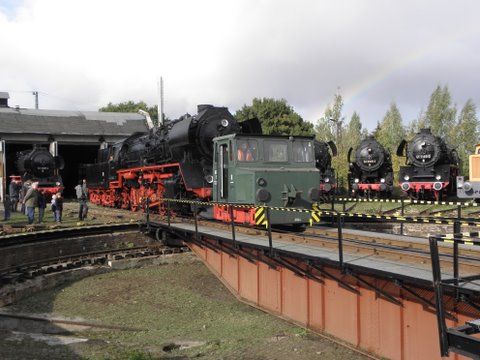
{"x":256,"y":171}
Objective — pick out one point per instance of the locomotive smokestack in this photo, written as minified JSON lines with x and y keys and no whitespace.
{"x":160,"y":104}
{"x":203,"y":107}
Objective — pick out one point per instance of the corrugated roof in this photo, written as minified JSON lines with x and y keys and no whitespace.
{"x":56,"y":122}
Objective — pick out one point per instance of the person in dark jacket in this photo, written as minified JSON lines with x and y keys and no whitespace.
{"x":7,"y":206}
{"x":82,"y":197}
{"x":13,"y":191}
{"x":42,"y":204}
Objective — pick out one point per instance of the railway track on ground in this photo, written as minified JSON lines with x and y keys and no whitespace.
{"x":25,"y":256}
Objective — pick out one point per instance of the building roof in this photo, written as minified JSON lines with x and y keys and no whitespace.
{"x":4,"y":95}
{"x":69,"y":124}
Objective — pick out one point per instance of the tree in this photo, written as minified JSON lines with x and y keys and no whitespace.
{"x":276,"y":117}
{"x":390,"y":132}
{"x":354,"y":131}
{"x":331,"y":127}
{"x":132,"y":107}
{"x":466,"y":134}
{"x":440,"y":114}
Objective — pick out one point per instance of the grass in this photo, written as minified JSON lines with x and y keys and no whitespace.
{"x":170,"y":304}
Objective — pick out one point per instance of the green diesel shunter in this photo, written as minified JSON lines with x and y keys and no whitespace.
{"x":255,"y":172}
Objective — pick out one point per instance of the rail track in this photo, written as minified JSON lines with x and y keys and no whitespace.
{"x":408,"y":249}
{"x":25,"y":256}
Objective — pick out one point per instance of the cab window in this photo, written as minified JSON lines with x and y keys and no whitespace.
{"x":276,"y":151}
{"x":303,"y":151}
{"x":247,"y":150}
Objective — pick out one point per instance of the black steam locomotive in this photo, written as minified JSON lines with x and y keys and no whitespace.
{"x":323,"y":160}
{"x":431,"y":167}
{"x":370,"y":173}
{"x":185,"y":144}
{"x":38,"y":164}
{"x":208,"y":156}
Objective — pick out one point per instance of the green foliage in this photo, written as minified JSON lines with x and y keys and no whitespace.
{"x":390,"y":132}
{"x":276,"y":117}
{"x":132,"y":107}
{"x":465,"y":134}
{"x":354,"y":132}
{"x":440,"y":114}
{"x":331,"y":127}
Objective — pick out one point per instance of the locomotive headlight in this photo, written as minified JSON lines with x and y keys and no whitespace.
{"x":382,"y":180}
{"x":406,"y":178}
{"x":209,"y":179}
{"x":438,"y":177}
{"x":467,"y":186}
{"x":327,"y":180}
{"x":261,"y":182}
{"x":357,"y":181}
{"x":224,"y":123}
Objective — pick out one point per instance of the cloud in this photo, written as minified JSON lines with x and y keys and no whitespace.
{"x":228,"y":52}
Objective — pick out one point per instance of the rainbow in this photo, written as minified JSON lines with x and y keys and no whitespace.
{"x":370,"y":81}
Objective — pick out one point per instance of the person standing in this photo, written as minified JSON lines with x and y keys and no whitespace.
{"x":58,"y":208}
{"x":31,"y":202}
{"x":13,"y":190}
{"x":54,"y":197}
{"x":42,"y":204}
{"x":22,"y":193}
{"x":7,"y":206}
{"x":82,"y":196}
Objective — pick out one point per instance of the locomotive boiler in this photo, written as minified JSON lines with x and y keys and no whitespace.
{"x":431,"y":166}
{"x":370,"y":173}
{"x":38,"y":164}
{"x":181,"y":160}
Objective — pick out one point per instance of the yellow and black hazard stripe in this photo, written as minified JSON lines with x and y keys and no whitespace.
{"x":466,"y":238}
{"x":315,"y":218}
{"x":261,"y":217}
{"x":408,"y":201}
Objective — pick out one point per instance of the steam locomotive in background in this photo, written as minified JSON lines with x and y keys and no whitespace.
{"x":431,"y":167}
{"x":323,"y":160}
{"x":38,"y":164}
{"x":370,"y":173}
{"x":208,"y":156}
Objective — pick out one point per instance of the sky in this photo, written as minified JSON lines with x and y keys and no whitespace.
{"x":81,"y":55}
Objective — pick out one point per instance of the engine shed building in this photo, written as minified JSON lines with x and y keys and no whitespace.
{"x":74,"y":135}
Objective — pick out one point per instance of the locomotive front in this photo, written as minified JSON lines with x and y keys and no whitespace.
{"x":323,"y":161}
{"x":371,"y":171}
{"x":470,"y":188}
{"x":38,"y":164}
{"x":431,"y":166}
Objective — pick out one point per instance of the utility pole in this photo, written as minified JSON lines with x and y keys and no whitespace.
{"x":160,"y":104}
{"x":338,"y":133}
{"x":35,"y":93}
